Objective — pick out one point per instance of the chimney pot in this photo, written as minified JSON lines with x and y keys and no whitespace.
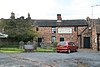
{"x":58,"y":14}
{"x":59,"y":18}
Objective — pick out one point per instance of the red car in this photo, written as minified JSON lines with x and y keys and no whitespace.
{"x":66,"y":46}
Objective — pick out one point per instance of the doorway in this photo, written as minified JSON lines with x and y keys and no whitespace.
{"x":53,"y":39}
{"x":98,"y":42}
{"x":86,"y":42}
{"x":39,"y":42}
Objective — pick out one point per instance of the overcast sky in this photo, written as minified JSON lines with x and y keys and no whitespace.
{"x":48,"y":9}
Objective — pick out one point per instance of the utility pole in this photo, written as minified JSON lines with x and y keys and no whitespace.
{"x":92,"y":9}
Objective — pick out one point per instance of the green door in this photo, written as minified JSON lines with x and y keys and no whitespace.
{"x":86,"y":42}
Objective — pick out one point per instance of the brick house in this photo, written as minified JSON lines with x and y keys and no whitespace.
{"x":61,"y":30}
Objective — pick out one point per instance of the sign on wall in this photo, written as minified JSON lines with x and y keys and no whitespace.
{"x":65,"y":30}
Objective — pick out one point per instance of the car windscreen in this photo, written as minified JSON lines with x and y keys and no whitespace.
{"x":62,"y":43}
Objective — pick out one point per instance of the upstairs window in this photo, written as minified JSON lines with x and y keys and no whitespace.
{"x":53,"y":29}
{"x":75,"y":29}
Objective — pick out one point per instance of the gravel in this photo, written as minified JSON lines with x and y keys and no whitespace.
{"x":38,"y":59}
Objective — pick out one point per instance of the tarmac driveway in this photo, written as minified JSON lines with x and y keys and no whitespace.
{"x":36,"y":59}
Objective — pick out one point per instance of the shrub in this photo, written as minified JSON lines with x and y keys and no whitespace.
{"x":55,"y":44}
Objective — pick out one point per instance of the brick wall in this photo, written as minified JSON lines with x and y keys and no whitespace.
{"x":72,"y":36}
{"x":46,"y":34}
{"x":94,"y":38}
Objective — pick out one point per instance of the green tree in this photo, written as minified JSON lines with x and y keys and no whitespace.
{"x":20,"y":29}
{"x":2,"y":25}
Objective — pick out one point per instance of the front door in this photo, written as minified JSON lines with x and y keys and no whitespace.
{"x":86,"y":42}
{"x":39,"y":41}
{"x":53,"y":39}
{"x":98,"y":42}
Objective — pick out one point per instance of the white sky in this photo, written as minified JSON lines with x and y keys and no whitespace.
{"x":48,"y":9}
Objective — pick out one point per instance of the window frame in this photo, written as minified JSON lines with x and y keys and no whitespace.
{"x":53,"y":29}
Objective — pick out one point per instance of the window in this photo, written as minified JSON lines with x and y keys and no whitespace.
{"x":53,"y":39}
{"x":37,"y":29}
{"x":61,"y":38}
{"x":53,"y":29}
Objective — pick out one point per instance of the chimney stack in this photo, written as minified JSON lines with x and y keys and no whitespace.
{"x":12,"y":15}
{"x":59,"y":18}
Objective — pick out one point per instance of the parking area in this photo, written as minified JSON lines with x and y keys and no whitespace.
{"x":82,"y":58}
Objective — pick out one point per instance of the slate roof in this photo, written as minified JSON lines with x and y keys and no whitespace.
{"x":50,"y":23}
{"x":97,"y":21}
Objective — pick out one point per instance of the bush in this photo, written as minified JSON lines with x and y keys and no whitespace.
{"x":55,"y":44}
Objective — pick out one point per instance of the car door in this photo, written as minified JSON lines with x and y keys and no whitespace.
{"x":73,"y":46}
{"x":70,"y":46}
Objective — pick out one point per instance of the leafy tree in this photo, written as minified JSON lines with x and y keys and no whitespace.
{"x":20,"y":29}
{"x":2,"y":25}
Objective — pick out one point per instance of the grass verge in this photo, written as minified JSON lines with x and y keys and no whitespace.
{"x":10,"y":50}
{"x":45,"y":49}
{"x":17,"y":50}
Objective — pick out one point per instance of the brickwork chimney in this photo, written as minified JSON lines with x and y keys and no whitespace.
{"x":59,"y":18}
{"x":12,"y":15}
{"x":29,"y":16}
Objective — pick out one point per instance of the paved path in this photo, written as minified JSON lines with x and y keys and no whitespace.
{"x":36,"y":59}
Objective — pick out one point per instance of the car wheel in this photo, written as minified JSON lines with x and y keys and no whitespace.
{"x":76,"y":50}
{"x":69,"y":51}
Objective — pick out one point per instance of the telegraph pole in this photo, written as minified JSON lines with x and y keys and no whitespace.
{"x":92,"y":9}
